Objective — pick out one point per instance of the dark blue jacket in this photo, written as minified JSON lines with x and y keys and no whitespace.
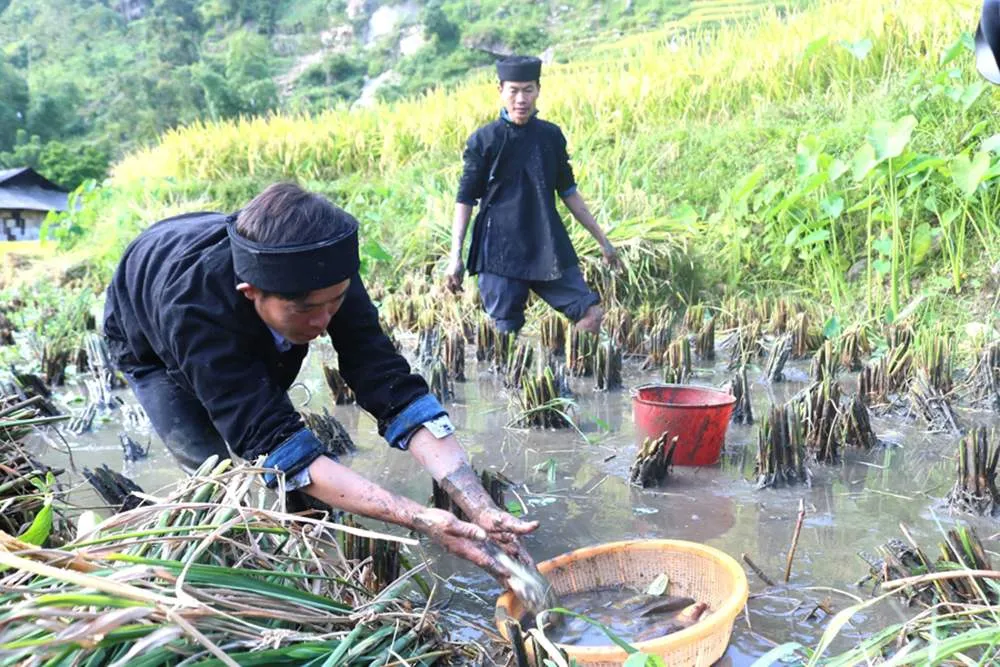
{"x":173,"y":304}
{"x":516,"y":170}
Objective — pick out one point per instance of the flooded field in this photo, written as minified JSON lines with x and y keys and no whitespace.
{"x":576,"y":484}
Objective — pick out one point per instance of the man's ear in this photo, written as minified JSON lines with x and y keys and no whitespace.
{"x":248,"y":290}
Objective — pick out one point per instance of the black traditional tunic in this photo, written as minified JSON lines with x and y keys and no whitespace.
{"x":516,"y":170}
{"x":173,"y":304}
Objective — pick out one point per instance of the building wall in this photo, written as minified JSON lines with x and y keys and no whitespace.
{"x":20,"y":225}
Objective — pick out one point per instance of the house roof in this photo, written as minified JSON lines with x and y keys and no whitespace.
{"x":25,"y":189}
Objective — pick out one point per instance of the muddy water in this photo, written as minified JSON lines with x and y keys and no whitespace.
{"x":586,"y":499}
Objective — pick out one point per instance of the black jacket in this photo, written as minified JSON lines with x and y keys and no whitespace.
{"x":518,"y":233}
{"x":173,"y":304}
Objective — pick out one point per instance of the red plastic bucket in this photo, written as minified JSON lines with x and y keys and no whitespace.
{"x":698,"y":416}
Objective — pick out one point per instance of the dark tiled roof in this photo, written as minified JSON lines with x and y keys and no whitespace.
{"x":25,"y":189}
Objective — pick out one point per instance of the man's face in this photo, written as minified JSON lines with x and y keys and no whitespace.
{"x":301,"y":320}
{"x":519,"y":99}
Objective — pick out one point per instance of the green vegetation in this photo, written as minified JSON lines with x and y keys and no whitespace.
{"x":84,"y":82}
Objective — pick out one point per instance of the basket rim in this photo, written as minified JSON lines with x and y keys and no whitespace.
{"x":720,"y":620}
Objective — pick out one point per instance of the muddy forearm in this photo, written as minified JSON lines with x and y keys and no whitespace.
{"x":339,"y":486}
{"x":447,"y":463}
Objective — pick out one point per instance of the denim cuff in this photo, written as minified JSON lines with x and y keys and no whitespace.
{"x":293,"y":456}
{"x":412,"y":418}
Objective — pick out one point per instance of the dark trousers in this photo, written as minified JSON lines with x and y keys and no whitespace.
{"x":179,"y":418}
{"x":183,"y":424}
{"x":505,"y":298}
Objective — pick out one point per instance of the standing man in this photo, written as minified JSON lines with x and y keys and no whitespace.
{"x":514,"y":167}
{"x":210,"y":317}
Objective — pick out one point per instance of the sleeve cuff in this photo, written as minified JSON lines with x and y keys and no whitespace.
{"x":467,"y":200}
{"x":422,"y":410}
{"x":568,"y":191}
{"x":293,"y":456}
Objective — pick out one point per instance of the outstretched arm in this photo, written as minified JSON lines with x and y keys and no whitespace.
{"x":578,"y":207}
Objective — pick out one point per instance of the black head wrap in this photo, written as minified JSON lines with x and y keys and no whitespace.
{"x":519,"y":68}
{"x":295,"y":269}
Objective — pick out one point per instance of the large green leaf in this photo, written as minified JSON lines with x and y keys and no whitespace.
{"x":832,"y":207}
{"x":807,"y":156}
{"x":970,"y":94}
{"x":859,"y":49}
{"x":863,"y":162}
{"x":968,"y":174}
{"x":890,"y":139}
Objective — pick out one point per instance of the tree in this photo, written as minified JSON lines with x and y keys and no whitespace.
{"x":13,"y":105}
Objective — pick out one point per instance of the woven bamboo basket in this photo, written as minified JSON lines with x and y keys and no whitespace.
{"x":695,"y":570}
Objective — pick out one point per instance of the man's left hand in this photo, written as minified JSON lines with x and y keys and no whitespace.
{"x":504,"y":529}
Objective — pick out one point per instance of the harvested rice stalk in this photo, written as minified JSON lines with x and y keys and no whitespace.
{"x":515,"y":358}
{"x":820,"y":412}
{"x":931,"y":404}
{"x":581,"y":352}
{"x":131,"y":450}
{"x":747,"y":345}
{"x":608,"y":367}
{"x":856,"y":425}
{"x":660,"y":337}
{"x":781,"y":449}
{"x":962,"y":549}
{"x":883,"y":378}
{"x":553,"y":332}
{"x":342,"y":394}
{"x":266,"y":585}
{"x":804,"y":338}
{"x":694,"y":318}
{"x":740,"y":388}
{"x":542,"y":401}
{"x":705,"y":342}
{"x":454,"y":354}
{"x":494,"y":483}
{"x":774,"y":370}
{"x":677,"y":365}
{"x":934,"y":358}
{"x":824,"y":364}
{"x":83,"y":422}
{"x":984,"y":380}
{"x":975,"y":490}
{"x":428,"y":346}
{"x":487,"y":339}
{"x":117,"y":490}
{"x":619,"y":324}
{"x":439,"y":382}
{"x":379,"y":561}
{"x":854,"y":346}
{"x":652,"y":461}
{"x":779,"y":318}
{"x":330,"y":432}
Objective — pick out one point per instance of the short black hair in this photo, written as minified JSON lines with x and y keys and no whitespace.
{"x":285,"y":214}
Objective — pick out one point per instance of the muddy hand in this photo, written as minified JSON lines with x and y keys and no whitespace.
{"x":505,"y":530}
{"x":611,"y":257}
{"x":463,"y":539}
{"x":454,"y":275}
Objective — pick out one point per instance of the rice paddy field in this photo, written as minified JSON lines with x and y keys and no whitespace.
{"x":804,"y":199}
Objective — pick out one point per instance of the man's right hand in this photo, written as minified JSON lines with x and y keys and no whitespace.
{"x":460,"y":538}
{"x":454,"y":275}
